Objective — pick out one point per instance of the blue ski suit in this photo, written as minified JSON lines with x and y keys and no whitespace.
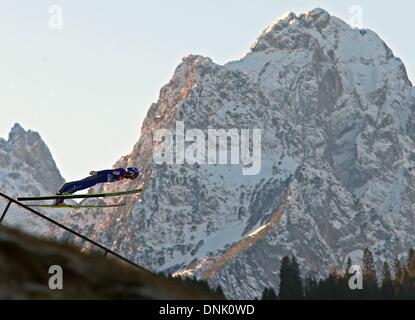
{"x":99,"y":177}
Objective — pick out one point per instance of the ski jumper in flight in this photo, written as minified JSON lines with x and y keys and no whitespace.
{"x":104,"y":176}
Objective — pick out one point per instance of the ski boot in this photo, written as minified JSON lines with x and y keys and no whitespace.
{"x":58,"y":202}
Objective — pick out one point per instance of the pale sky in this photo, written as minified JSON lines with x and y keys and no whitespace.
{"x":87,"y":87}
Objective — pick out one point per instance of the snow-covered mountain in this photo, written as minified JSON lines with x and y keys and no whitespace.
{"x":26,"y":168}
{"x":336,"y":110}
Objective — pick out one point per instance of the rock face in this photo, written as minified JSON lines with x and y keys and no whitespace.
{"x":336,"y":111}
{"x":26,"y":168}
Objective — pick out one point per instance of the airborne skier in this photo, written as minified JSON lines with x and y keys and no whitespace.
{"x":104,"y":176}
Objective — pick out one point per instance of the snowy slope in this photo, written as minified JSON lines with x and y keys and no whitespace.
{"x":27,"y":169}
{"x":336,"y":110}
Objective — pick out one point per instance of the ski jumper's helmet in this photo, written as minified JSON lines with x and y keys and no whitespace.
{"x":133,"y":170}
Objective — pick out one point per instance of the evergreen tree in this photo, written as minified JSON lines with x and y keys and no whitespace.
{"x":285,"y":279}
{"x":411,"y":263}
{"x":335,"y":286}
{"x":311,"y":288}
{"x":349,"y":263}
{"x":398,"y":271}
{"x":410,"y":266}
{"x":298,"y":290}
{"x":370,"y":287}
{"x":398,"y":278}
{"x":291,"y":286}
{"x":387,"y":283}
{"x":269,"y":294}
{"x":406,"y":283}
{"x":347,"y":292}
{"x":331,"y":289}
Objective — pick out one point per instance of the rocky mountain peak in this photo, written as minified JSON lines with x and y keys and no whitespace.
{"x":335,"y":109}
{"x":25,"y":154}
{"x":16,"y":131}
{"x":20,"y":139}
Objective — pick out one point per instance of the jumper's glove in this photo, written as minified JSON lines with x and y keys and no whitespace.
{"x":93,"y":173}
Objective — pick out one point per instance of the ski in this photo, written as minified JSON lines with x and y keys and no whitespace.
{"x":80,"y":196}
{"x":68,"y":206}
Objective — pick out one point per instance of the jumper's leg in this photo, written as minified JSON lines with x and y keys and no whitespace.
{"x":74,"y":186}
